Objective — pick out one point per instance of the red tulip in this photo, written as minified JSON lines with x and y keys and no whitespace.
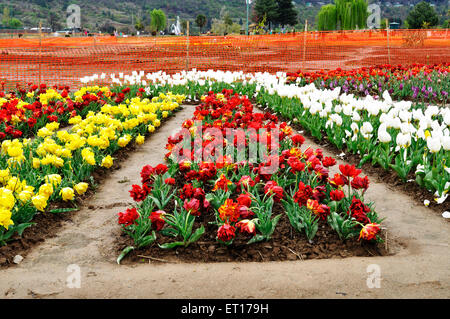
{"x":246,"y":226}
{"x":192,"y":206}
{"x":157,"y":220}
{"x":226,"y":232}
{"x":337,"y":195}
{"x":349,"y":170}
{"x":369,"y":231}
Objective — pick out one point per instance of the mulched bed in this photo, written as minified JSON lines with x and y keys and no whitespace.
{"x":286,"y":244}
{"x":412,"y":189}
{"x":48,"y":224}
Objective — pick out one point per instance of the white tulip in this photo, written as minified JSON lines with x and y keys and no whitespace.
{"x":356,"y":117}
{"x":366,"y":128}
{"x":445,"y":140}
{"x":346,"y":109}
{"x":387,"y":98}
{"x":403,"y":140}
{"x":434,"y":144}
{"x":383,"y":135}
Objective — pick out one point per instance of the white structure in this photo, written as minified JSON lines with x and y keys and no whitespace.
{"x":176,"y":28}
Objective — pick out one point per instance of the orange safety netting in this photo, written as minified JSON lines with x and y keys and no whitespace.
{"x":64,"y":61}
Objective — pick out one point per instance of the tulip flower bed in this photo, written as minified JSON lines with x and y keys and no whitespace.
{"x":57,"y":166}
{"x":409,"y":141}
{"x":24,"y":111}
{"x":426,"y":83}
{"x":204,"y":205}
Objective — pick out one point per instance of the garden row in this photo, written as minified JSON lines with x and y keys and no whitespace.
{"x":425,"y":83}
{"x":232,"y":173}
{"x":24,"y":111}
{"x":57,"y":165}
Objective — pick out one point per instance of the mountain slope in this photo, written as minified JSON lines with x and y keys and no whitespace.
{"x":95,"y":14}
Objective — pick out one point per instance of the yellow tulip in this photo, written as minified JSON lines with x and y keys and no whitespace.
{"x":54,"y":179}
{"x":40,"y":202}
{"x":46,"y":190}
{"x":67,"y":193}
{"x":5,"y":218}
{"x":4,"y":175}
{"x":140,"y":139}
{"x":7,"y":199}
{"x":156,"y":123}
{"x":14,"y":184}
{"x":15,"y":151}
{"x":25,"y":195}
{"x":36,"y":163}
{"x":107,"y":161}
{"x":124,"y":140}
{"x":81,"y":188}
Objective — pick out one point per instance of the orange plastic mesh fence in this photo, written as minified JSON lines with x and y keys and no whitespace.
{"x":64,"y":61}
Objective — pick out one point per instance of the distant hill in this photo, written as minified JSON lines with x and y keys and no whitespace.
{"x":123,"y":14}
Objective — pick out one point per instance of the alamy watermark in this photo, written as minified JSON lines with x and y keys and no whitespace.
{"x":374,"y":18}
{"x":74,"y":279}
{"x":73,"y":20}
{"x":228,"y":145}
{"x":374,"y":277}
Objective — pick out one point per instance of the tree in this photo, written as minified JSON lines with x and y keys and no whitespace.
{"x":107,"y":27}
{"x":327,"y":18}
{"x":447,"y":23}
{"x":53,"y":21}
{"x":420,"y":14}
{"x":351,"y":14}
{"x":184,"y":25}
{"x":221,"y":27}
{"x":287,"y":15}
{"x":139,"y":26}
{"x":227,"y":20}
{"x":347,"y":14}
{"x":268,"y":8}
{"x":158,"y":20}
{"x":200,"y":21}
{"x":14,"y":23}
{"x":6,"y":17}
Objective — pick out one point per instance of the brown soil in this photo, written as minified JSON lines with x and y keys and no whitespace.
{"x":286,"y":244}
{"x":46,"y":227}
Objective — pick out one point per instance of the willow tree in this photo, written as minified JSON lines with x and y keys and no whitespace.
{"x":327,"y":18}
{"x":350,"y":14}
{"x":158,"y":20}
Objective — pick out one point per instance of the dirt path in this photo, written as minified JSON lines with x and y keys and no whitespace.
{"x":419,"y":268}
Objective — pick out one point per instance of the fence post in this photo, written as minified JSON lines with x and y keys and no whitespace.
{"x":304,"y":44}
{"x":387,"y":35}
{"x":40,"y":50}
{"x":187,"y":45}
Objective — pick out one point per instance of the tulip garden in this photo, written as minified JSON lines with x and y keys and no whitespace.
{"x":52,"y":167}
{"x":209,"y":198}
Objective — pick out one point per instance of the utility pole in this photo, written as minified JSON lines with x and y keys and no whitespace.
{"x":387,"y":36}
{"x":187,"y":46}
{"x":40,"y":50}
{"x":304,"y":43}
{"x":246,"y":27}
